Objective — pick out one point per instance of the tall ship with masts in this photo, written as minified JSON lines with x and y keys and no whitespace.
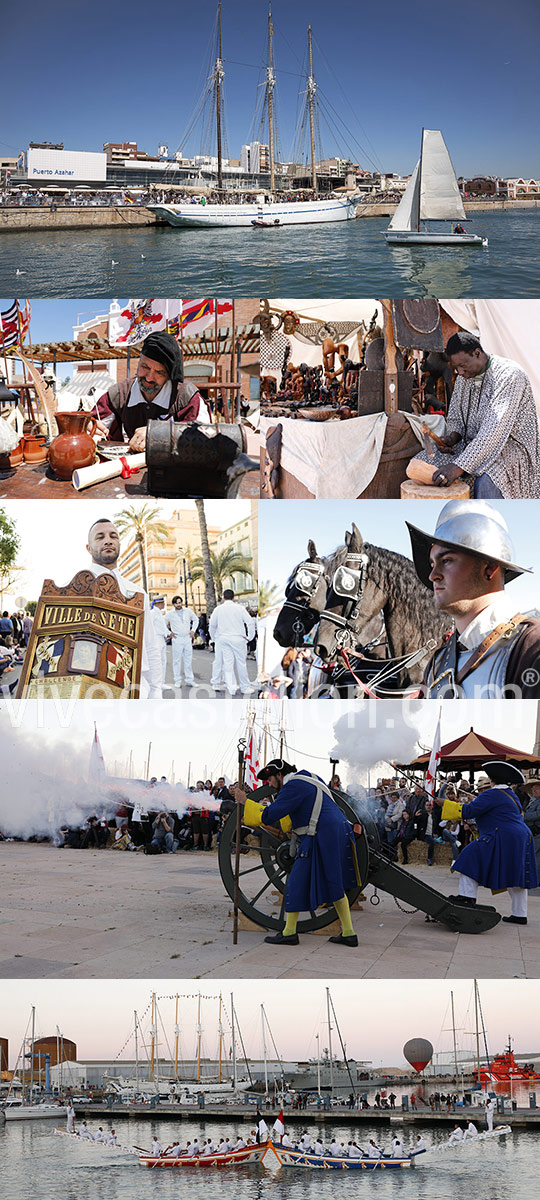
{"x":266,"y":212}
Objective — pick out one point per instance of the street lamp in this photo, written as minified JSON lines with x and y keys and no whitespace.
{"x":184,"y":578}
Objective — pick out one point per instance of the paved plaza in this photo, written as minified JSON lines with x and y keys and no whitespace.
{"x":99,"y":914}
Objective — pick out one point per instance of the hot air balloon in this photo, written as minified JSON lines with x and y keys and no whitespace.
{"x":418,"y":1052}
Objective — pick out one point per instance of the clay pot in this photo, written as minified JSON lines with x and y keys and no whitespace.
{"x":74,"y":447}
{"x":16,"y":455}
{"x":34,"y":448}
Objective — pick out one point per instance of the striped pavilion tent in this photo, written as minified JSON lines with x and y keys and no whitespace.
{"x":468,"y":752}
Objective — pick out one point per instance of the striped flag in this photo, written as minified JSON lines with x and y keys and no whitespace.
{"x":199,"y":314}
{"x":434,"y":760}
{"x":251,"y":759}
{"x":9,"y":326}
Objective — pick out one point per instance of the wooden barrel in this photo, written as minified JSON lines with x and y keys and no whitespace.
{"x":460,"y":490}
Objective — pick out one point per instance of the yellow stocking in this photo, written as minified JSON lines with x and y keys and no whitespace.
{"x":290,"y":924}
{"x":344,"y":914}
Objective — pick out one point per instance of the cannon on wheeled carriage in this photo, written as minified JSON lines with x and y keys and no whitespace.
{"x":265,"y":864}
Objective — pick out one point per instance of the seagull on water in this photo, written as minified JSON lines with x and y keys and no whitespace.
{"x":114,"y":262}
{"x":17,"y":272}
{"x":143,"y":255}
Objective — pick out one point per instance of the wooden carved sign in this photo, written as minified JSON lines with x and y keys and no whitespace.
{"x":86,"y":642}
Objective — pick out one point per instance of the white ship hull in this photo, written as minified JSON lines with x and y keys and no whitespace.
{"x":33,"y":1112}
{"x":210,"y":216}
{"x":407,"y":238}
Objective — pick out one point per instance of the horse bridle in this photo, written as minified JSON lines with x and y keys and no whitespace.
{"x":305,"y":580}
{"x":348,"y":583}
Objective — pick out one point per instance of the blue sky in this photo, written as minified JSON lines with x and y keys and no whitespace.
{"x":382,"y":522}
{"x":102,"y":74}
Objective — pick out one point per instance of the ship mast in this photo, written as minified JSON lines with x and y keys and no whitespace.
{"x":311,"y":92}
{"x":270,"y":85}
{"x":219,"y":74}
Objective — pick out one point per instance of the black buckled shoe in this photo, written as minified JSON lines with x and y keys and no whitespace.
{"x":279,"y":939}
{"x":515,"y":920}
{"x":341,"y":940}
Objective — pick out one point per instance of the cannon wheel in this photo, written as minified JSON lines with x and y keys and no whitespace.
{"x":264,"y":869}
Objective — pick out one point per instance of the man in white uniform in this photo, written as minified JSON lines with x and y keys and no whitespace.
{"x":161,"y":631}
{"x":70,"y":1117}
{"x":231,"y":628}
{"x":182,"y":623}
{"x":104,"y":549}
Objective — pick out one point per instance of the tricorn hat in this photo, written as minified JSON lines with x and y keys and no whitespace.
{"x":273,"y":767}
{"x":470,"y":525}
{"x":503,"y":772}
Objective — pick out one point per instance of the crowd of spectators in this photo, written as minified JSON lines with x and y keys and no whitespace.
{"x":157,"y":830}
{"x":15,"y":631}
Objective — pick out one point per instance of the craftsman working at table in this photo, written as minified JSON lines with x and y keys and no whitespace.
{"x":492,"y":428}
{"x":156,"y":393}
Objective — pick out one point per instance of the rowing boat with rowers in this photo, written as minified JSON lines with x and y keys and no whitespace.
{"x":247,"y":1156}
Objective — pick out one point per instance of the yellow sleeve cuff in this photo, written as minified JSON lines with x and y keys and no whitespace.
{"x":451,"y":810}
{"x":254,"y":816}
{"x":253,"y":812}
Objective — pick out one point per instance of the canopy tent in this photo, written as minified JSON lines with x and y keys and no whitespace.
{"x":98,"y":348}
{"x":470,"y":751}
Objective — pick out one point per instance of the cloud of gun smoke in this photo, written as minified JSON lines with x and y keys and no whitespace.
{"x":376,"y":732}
{"x":46,"y":786}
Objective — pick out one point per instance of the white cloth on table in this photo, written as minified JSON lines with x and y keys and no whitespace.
{"x":332,"y":459}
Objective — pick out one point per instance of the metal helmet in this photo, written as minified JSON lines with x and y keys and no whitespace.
{"x":470,"y":525}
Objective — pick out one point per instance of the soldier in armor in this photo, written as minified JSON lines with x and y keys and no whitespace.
{"x":325,"y":863}
{"x":494,"y":651}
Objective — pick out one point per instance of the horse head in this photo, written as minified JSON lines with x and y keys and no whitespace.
{"x":352,"y":599}
{"x":305,"y":595}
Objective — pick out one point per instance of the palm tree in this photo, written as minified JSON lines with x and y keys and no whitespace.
{"x":224,"y":564}
{"x":269,"y":596}
{"x":142,"y":524}
{"x":209,"y":588}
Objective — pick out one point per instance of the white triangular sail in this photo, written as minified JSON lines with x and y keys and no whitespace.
{"x":406,"y":214}
{"x":440,"y":199}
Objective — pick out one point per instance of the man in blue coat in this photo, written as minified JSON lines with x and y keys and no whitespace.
{"x":502,"y":856}
{"x":325,"y":863}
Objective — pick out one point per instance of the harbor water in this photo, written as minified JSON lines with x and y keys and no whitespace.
{"x":347,"y":259}
{"x":498,"y":1169}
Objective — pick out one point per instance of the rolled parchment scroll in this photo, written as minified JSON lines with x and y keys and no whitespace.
{"x":100,"y":472}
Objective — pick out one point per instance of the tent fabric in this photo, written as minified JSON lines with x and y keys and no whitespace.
{"x":338,"y":459}
{"x":473,"y":747}
{"x":505,"y":327}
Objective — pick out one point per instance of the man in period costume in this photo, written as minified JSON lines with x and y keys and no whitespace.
{"x":104,"y":550}
{"x":492,"y":428}
{"x":494,"y":651}
{"x":502,"y":856}
{"x":532,"y":813}
{"x":156,"y":393}
{"x":325,"y":863}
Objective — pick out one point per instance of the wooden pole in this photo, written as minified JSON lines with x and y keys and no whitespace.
{"x":241,"y":774}
{"x":391,"y":402}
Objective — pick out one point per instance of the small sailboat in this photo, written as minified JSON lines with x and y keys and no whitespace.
{"x":432,"y":194}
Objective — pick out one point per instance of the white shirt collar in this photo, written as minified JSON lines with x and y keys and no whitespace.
{"x":163,"y":398}
{"x":500,"y":609}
